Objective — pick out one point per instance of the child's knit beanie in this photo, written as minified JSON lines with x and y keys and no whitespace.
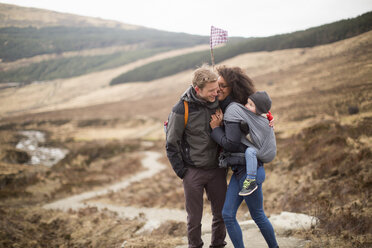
{"x":262,"y":101}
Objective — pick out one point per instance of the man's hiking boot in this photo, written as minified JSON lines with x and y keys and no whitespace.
{"x":249,"y":186}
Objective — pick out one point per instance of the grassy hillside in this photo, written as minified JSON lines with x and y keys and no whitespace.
{"x":17,"y":43}
{"x":26,"y":38}
{"x":311,"y":37}
{"x":74,"y":66}
{"x":16,"y":16}
{"x":322,"y":105}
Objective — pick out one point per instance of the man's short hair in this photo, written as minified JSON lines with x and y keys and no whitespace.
{"x":203,"y":75}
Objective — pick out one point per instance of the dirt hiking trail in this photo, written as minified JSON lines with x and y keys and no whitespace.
{"x":155,"y":216}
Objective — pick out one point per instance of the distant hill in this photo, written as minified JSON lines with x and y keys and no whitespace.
{"x":308,"y":38}
{"x":41,"y":45}
{"x":16,"y":16}
{"x":17,"y":42}
{"x":27,"y":33}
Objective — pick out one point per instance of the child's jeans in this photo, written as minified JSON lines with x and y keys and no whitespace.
{"x":251,"y":162}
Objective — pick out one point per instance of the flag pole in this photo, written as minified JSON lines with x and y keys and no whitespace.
{"x":218,"y":36}
{"x":212,"y":57}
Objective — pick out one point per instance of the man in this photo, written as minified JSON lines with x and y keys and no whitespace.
{"x":194,"y":156}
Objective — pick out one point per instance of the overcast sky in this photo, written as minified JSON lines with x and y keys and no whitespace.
{"x":245,"y":18}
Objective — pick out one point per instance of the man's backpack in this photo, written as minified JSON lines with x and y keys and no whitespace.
{"x":186,"y":104}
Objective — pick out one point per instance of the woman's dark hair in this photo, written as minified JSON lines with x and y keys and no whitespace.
{"x":241,"y":85}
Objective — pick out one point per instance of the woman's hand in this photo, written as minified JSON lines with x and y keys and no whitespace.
{"x":216,"y":119}
{"x":219,"y":114}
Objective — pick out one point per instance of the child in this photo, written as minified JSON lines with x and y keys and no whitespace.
{"x":262,"y":140}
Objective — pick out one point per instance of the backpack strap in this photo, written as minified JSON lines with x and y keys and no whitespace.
{"x":186,"y":104}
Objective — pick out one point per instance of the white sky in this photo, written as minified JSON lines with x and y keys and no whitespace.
{"x":239,"y":17}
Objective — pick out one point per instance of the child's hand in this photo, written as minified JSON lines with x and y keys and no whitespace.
{"x":270,"y":117}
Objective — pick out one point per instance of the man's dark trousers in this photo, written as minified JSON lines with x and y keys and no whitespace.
{"x":214,"y":183}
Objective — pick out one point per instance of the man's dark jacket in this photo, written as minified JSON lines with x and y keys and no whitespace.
{"x":191,"y":146}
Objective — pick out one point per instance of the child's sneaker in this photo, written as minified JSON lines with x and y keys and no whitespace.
{"x":249,"y":186}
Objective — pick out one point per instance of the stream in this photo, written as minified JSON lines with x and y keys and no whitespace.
{"x":47,"y":156}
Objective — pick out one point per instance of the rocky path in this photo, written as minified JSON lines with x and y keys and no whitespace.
{"x":253,"y":238}
{"x":155,"y":216}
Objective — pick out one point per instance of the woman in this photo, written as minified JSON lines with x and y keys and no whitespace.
{"x":236,"y":86}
